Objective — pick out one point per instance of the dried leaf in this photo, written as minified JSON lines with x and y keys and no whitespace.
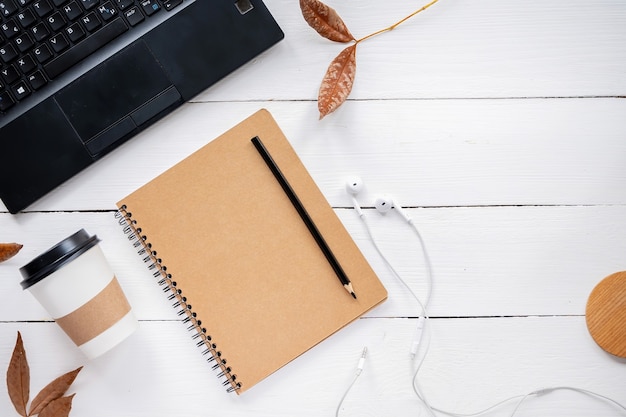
{"x":8,"y":250}
{"x":60,"y":407}
{"x":337,"y":82}
{"x":54,"y":390}
{"x":325,"y":21}
{"x":18,"y":377}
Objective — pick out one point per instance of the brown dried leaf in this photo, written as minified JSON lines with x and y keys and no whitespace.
{"x":54,"y":390}
{"x":60,"y":407}
{"x":337,"y":82}
{"x":18,"y":377}
{"x":8,"y":250}
{"x":325,"y":21}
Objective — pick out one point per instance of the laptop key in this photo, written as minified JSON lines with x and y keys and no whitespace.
{"x":24,"y":42}
{"x":170,"y":4}
{"x":150,"y":7}
{"x":8,"y":53}
{"x":72,"y":11}
{"x":91,"y":22}
{"x":21,"y":90}
{"x":9,"y":74}
{"x":7,"y":7}
{"x":124,"y":4}
{"x":107,"y":12}
{"x":59,"y":43}
{"x":10,"y":29}
{"x":83,"y":49}
{"x":133,"y":16}
{"x":26,"y":64}
{"x":6,"y":101}
{"x":56,"y":21}
{"x":26,"y":18}
{"x":75,"y":32}
{"x":42,"y":8}
{"x":90,"y":4}
{"x":40,"y":32}
{"x":42,"y":53}
{"x":37,"y":80}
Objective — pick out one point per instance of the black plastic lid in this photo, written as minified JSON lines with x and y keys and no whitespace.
{"x":59,"y":255}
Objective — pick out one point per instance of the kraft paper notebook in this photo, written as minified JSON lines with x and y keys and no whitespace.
{"x":234,"y":254}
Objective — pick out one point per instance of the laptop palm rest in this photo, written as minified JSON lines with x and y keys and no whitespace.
{"x":110,"y":102}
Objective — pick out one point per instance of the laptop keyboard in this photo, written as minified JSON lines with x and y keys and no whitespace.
{"x":40,"y":39}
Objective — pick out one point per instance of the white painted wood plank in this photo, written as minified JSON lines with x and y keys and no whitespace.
{"x":472,"y":364}
{"x":427,"y":153}
{"x":486,"y":261}
{"x":454,"y":49}
{"x":520,"y":202}
{"x":499,"y":261}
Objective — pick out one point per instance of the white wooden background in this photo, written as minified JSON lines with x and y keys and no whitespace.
{"x":501,"y":125}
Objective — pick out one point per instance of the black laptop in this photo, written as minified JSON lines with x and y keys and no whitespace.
{"x":80,"y":77}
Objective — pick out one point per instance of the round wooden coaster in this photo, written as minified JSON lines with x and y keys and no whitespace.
{"x":606,"y":314}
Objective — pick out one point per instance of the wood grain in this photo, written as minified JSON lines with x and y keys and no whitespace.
{"x":499,"y":124}
{"x":606,"y":314}
{"x":510,"y":357}
{"x":427,"y":153}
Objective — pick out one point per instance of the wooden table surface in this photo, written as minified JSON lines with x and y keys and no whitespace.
{"x":500,"y":125}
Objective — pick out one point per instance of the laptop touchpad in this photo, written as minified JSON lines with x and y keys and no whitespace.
{"x":113,"y":99}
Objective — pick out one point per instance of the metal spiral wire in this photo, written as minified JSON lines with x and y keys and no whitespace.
{"x":155,"y":264}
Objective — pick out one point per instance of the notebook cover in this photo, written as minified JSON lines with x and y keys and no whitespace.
{"x":242,"y":256}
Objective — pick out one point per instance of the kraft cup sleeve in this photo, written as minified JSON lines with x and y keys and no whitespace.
{"x":95,"y":316}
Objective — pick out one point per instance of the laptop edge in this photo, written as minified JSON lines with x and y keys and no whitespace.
{"x":126,"y":93}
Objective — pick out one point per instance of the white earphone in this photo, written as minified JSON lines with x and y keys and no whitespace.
{"x":383,"y":205}
{"x":354,"y":186}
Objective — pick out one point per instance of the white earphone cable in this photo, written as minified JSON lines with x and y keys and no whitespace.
{"x":359,"y":369}
{"x":423,"y":319}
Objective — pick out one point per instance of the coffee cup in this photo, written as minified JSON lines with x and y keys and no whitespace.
{"x":75,"y":284}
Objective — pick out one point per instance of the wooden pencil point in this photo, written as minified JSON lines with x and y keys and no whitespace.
{"x":348,"y":288}
{"x":304,"y":215}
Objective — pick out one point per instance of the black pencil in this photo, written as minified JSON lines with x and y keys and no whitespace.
{"x":343,"y":278}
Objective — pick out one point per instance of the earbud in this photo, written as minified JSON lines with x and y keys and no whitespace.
{"x":355,"y":185}
{"x":385,"y":203}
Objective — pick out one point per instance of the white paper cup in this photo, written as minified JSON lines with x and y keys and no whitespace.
{"x":76,"y":285}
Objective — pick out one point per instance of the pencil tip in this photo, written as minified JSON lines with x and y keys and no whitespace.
{"x":350,"y":290}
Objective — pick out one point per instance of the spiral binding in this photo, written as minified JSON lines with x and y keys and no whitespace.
{"x":179,"y":301}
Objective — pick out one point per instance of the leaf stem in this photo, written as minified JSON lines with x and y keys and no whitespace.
{"x":392,"y":27}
